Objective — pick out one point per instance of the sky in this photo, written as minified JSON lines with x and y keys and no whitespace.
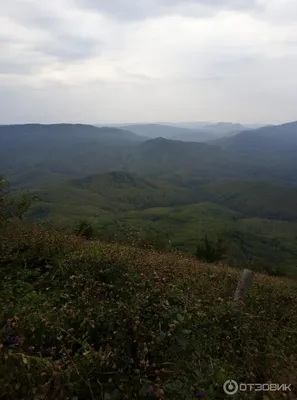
{"x":116,"y":61}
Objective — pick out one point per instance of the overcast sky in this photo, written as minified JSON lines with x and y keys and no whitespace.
{"x":109,"y":61}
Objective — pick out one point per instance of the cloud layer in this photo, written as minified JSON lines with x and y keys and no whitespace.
{"x":148,"y":60}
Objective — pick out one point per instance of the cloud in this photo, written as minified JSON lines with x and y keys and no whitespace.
{"x":50,"y":30}
{"x":148,"y":60}
{"x":70,"y":48}
{"x":142,"y":9}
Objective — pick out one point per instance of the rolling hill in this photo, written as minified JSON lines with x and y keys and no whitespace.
{"x":258,"y":199}
{"x":197,"y":163}
{"x":33,"y":155}
{"x":166,"y":131}
{"x":270,"y":142}
{"x":105,"y":194}
{"x":224,"y":128}
{"x":196,"y":132}
{"x":189,"y":131}
{"x":257,"y":243}
{"x":211,"y":132}
{"x":271,"y":147}
{"x":104,"y":174}
{"x":257,"y":220}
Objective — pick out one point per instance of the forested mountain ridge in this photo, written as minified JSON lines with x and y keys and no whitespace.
{"x":257,"y":220}
{"x":156,"y":130}
{"x":239,"y":188}
{"x":264,"y":140}
{"x":192,"y":131}
{"x":34,"y":154}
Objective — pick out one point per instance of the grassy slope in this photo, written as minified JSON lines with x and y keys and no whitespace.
{"x":105,"y":321}
{"x":248,"y":215}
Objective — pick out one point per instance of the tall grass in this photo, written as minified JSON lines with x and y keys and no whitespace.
{"x":83,"y":320}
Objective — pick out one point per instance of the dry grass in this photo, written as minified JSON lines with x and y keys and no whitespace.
{"x":107,"y":321}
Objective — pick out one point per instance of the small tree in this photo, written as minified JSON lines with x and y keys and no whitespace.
{"x":13,"y":205}
{"x":85,"y":229}
{"x":210,"y":252}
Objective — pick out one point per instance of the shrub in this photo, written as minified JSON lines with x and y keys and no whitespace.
{"x":210,"y":252}
{"x":275,"y":271}
{"x":13,"y":204}
{"x":24,"y":244}
{"x":85,"y":229}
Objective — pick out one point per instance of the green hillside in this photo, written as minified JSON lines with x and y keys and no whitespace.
{"x":256,"y":220}
{"x":114,"y":192}
{"x":198,"y":163}
{"x":273,"y":147}
{"x":106,"y":321}
{"x":261,"y":199}
{"x":262,"y":244}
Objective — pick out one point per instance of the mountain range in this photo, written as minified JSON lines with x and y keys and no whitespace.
{"x":187,"y":131}
{"x":241,"y":186}
{"x":33,"y":154}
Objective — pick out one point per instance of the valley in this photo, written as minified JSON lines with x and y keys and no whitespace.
{"x":240,"y":188}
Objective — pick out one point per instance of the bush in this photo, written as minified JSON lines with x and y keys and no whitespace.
{"x":24,"y":244}
{"x":85,"y":229}
{"x":275,"y":271}
{"x":210,"y":252}
{"x":13,"y":205}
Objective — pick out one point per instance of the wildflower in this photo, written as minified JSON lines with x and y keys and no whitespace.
{"x":200,"y":395}
{"x":12,"y":341}
{"x":150,"y":389}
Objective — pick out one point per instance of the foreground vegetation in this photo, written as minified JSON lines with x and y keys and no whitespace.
{"x":95,"y":320}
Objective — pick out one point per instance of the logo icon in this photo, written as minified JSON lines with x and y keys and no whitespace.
{"x":230,"y":387}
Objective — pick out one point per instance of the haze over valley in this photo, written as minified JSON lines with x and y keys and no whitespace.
{"x":177,"y":183}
